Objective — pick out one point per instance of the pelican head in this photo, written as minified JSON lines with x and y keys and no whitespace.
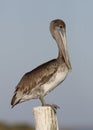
{"x":58,"y":31}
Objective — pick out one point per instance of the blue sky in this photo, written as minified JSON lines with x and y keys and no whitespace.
{"x":25,"y":43}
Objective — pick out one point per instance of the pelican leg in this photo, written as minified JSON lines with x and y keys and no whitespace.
{"x":53,"y":106}
{"x":42,"y":100}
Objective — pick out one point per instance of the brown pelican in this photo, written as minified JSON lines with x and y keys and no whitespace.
{"x":41,"y":80}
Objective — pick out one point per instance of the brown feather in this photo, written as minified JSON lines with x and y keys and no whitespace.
{"x":38,"y":76}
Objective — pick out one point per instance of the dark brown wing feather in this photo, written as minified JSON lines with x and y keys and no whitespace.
{"x":13,"y":101}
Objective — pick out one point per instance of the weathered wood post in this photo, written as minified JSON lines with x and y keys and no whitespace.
{"x":45,"y":118}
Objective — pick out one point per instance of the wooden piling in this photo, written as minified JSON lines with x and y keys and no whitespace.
{"x":45,"y":118}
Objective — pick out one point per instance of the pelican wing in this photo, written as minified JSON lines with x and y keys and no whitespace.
{"x":34,"y":78}
{"x":37,"y":77}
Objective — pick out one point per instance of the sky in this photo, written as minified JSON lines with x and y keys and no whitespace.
{"x":26,"y":42}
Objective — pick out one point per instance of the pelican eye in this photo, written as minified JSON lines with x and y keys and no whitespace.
{"x":60,"y":26}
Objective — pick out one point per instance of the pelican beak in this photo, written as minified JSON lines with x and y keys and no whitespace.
{"x":63,"y":47}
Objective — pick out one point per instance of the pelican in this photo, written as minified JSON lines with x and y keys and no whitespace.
{"x":43,"y":79}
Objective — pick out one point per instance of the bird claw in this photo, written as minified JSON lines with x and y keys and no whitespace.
{"x":53,"y":106}
{"x":56,"y":106}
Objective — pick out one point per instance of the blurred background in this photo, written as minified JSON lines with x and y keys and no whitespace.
{"x":26,"y":42}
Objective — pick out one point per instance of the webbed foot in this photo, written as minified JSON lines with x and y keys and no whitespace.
{"x":53,"y":106}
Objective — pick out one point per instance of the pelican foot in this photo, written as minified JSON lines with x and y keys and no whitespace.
{"x":53,"y":106}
